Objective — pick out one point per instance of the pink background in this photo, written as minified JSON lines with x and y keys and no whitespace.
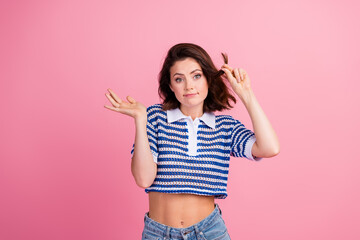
{"x":65,"y":159}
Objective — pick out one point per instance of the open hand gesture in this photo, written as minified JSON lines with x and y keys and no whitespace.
{"x":131,"y":108}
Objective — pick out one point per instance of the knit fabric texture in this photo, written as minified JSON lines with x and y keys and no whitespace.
{"x":205,"y":173}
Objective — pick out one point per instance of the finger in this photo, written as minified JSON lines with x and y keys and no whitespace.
{"x":237,"y":75}
{"x":120,"y":110}
{"x":130,"y":99}
{"x":112,"y":108}
{"x":117,"y":99}
{"x":229,"y":76}
{"x":113,"y":102}
{"x":243,"y":74}
{"x":226,"y":71}
{"x":228,"y":67}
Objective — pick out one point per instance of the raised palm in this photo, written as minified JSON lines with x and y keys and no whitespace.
{"x":131,"y":108}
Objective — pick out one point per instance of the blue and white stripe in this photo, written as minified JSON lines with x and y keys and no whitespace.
{"x":179,"y":170}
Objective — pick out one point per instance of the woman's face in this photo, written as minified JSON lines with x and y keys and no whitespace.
{"x":188,"y":83}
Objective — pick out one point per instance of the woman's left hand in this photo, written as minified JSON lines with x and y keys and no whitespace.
{"x":239,"y":81}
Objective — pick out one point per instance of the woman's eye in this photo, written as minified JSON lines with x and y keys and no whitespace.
{"x":178,"y":79}
{"x":197,"y":76}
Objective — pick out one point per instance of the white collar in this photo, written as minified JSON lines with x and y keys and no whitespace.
{"x":175,"y":114}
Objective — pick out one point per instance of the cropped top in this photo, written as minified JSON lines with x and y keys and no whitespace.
{"x":193,"y":156}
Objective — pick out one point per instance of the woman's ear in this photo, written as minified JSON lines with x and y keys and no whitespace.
{"x":171,"y":88}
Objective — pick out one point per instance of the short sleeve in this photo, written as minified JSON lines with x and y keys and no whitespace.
{"x":152,"y":135}
{"x":242,"y":141}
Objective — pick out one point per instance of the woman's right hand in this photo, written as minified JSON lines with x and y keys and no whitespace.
{"x":131,"y":108}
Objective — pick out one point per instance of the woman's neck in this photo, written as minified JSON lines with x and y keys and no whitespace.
{"x":194,"y":112}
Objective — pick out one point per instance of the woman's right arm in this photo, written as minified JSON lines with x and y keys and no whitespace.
{"x":143,"y":167}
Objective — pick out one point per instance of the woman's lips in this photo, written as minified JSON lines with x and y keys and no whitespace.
{"x":190,"y":95}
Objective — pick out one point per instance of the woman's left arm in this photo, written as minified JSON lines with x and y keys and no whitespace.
{"x":267,"y":143}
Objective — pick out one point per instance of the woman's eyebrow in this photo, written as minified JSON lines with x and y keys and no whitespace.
{"x":190,"y":73}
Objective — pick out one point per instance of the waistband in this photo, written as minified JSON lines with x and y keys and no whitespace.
{"x":168,"y":231}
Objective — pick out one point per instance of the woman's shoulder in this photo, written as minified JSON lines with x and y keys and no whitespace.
{"x":225,"y":119}
{"x":154,"y":112}
{"x":155,"y":108}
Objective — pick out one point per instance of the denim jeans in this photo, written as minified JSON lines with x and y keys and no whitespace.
{"x":211,"y":228}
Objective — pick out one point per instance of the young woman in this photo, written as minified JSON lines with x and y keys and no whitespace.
{"x":182,"y":149}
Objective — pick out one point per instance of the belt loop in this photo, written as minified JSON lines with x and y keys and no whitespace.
{"x":199,"y":234}
{"x":167,"y":232}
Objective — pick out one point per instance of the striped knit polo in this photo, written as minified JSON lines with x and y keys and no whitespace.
{"x":193,"y":156}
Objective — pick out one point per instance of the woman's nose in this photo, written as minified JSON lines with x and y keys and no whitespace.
{"x":189,"y":85}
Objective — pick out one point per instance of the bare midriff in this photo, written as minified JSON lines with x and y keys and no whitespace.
{"x":179,"y":210}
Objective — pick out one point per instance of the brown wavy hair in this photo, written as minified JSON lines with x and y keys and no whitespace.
{"x":218,"y":97}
